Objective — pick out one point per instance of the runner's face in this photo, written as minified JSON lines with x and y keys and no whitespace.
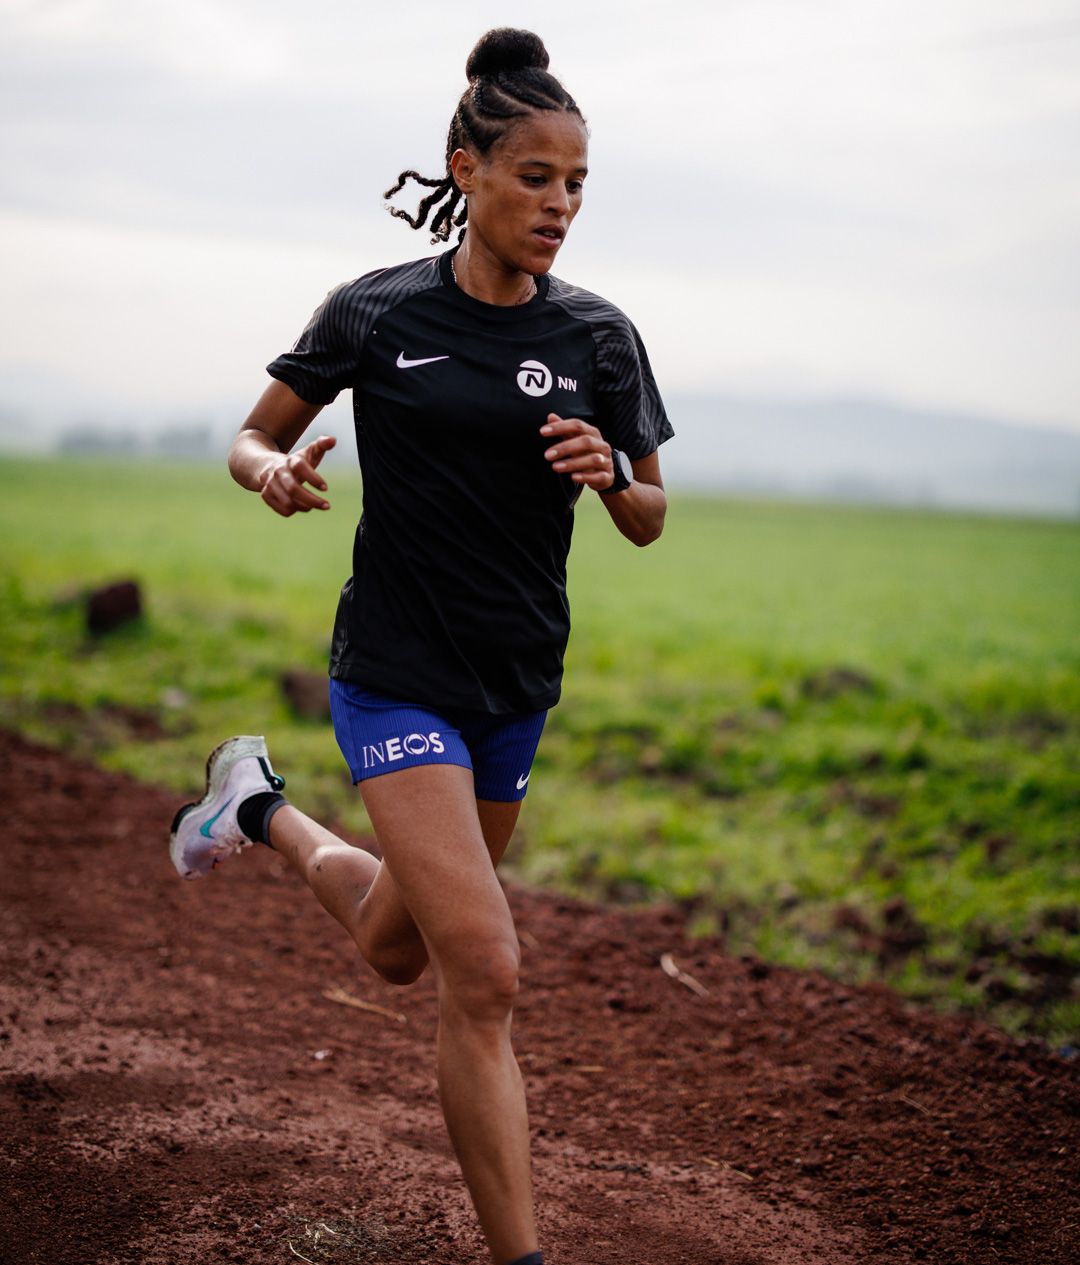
{"x":524,"y":195}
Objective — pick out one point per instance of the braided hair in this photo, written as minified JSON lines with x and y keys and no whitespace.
{"x":508,"y":79}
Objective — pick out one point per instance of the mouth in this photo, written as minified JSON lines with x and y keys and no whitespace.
{"x":552,"y":234}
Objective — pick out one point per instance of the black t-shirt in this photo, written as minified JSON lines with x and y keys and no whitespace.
{"x":458,"y":591}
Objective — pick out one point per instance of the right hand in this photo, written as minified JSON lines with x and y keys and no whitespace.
{"x":282,"y":481}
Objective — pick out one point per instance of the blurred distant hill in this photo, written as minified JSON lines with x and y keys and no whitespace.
{"x":869,"y":451}
{"x":846,"y":449}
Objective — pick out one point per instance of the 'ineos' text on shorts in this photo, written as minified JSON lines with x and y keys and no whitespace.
{"x":399,"y":748}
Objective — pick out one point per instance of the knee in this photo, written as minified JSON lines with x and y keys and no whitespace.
{"x":484,"y":986}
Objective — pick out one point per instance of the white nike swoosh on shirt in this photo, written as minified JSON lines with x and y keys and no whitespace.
{"x":522,"y":780}
{"x":402,"y":363}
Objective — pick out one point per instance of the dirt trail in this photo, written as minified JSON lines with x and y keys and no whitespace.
{"x":176,"y":1088}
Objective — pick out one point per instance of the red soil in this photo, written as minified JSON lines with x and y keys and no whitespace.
{"x":176,"y":1088}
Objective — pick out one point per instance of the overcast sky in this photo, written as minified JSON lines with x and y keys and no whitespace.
{"x":789,"y":197}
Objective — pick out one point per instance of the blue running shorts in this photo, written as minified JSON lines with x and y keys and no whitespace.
{"x":381,"y":735}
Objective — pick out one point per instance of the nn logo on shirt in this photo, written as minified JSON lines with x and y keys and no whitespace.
{"x":535,"y":378}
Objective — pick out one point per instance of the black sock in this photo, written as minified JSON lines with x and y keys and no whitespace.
{"x":533,"y":1258}
{"x":253,"y":815}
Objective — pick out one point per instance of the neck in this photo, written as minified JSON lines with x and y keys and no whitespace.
{"x":483,"y":278}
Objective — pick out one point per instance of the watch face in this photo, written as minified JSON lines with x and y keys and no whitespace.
{"x":625,"y":468}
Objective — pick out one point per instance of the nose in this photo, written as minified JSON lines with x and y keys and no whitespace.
{"x":558,"y":200}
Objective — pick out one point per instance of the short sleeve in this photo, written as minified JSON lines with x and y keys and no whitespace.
{"x":631,"y":414}
{"x":325,"y":359}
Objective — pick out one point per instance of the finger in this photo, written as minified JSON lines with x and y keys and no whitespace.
{"x":277,"y":501}
{"x":294,"y":487}
{"x":285,"y":496}
{"x":583,"y":453}
{"x":576,"y":446}
{"x":318,"y":448}
{"x":304,"y":500}
{"x":586,"y":463}
{"x":599,"y":480}
{"x":304,"y":472}
{"x":559,"y":426}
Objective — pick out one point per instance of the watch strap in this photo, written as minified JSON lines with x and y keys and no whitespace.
{"x":620,"y":464}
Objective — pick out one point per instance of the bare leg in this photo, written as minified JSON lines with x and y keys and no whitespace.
{"x":436,"y":894}
{"x":429,"y":827}
{"x":356,"y":889}
{"x":359,"y":891}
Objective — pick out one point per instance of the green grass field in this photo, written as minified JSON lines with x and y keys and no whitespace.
{"x":841,"y":737}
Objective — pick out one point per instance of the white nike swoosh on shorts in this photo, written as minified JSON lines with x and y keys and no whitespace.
{"x":522,"y":780}
{"x":402,"y":363}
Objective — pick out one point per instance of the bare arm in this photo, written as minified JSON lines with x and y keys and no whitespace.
{"x":638,"y":511}
{"x":260,"y":458}
{"x":583,"y":453}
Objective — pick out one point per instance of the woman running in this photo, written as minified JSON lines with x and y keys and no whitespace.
{"x":487,"y":396}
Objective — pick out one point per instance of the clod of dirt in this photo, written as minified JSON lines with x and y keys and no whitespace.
{"x":112,"y":606}
{"x":848,"y":918}
{"x":307,"y":693}
{"x":100,"y":728}
{"x":832,"y":682}
{"x":903,"y":932}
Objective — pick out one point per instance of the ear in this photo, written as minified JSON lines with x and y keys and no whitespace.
{"x":463,"y":166}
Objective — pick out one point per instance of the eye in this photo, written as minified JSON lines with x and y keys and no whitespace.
{"x":574,"y":186}
{"x":535,"y":181}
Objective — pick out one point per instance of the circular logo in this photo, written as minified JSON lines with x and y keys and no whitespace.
{"x":416,"y":744}
{"x":534,"y":378}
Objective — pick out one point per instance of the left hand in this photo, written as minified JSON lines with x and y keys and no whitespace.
{"x":579,"y":451}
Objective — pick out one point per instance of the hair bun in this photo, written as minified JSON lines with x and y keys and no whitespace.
{"x":505,"y":50}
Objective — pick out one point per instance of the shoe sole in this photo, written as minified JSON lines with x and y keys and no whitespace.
{"x":219,"y":765}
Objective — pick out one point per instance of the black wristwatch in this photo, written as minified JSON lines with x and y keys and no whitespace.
{"x":623,"y":471}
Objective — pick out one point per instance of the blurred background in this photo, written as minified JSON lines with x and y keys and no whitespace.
{"x":834,"y":714}
{"x":849,"y":233}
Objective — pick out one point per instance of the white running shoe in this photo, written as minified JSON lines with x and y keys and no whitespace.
{"x":204,"y":834}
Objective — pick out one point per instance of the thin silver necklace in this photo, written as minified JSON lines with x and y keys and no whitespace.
{"x":516,"y":303}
